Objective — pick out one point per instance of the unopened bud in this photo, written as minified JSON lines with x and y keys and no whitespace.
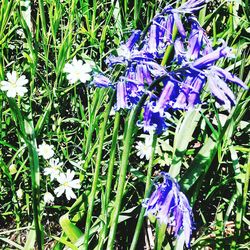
{"x":12,"y":169}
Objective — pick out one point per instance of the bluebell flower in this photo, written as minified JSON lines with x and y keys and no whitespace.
{"x":195,"y":91}
{"x":174,"y":17}
{"x":183,"y":218}
{"x":133,"y":39}
{"x":125,"y":51}
{"x":210,"y":58}
{"x":153,"y":121}
{"x":121,"y":96}
{"x":196,"y":40}
{"x":155,"y":69}
{"x":159,"y":35}
{"x":146,"y":74}
{"x":227,"y":76}
{"x":193,"y":67}
{"x":171,"y":207}
{"x":169,"y":29}
{"x":101,"y":81}
{"x":167,"y":96}
{"x":190,"y":91}
{"x":192,"y":5}
{"x":219,"y":88}
{"x":131,"y":87}
{"x":154,"y":39}
{"x":180,"y":53}
{"x":112,"y":60}
{"x":179,"y":25}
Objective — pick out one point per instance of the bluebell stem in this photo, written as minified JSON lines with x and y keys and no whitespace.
{"x":171,"y":207}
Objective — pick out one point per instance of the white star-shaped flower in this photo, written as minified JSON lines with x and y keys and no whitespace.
{"x":45,"y":150}
{"x":14,"y":86}
{"x":67,"y":184}
{"x":144,"y":149}
{"x":54,"y":169}
{"x":48,"y":198}
{"x":78,"y":71}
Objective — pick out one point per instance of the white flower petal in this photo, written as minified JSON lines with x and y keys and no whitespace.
{"x":59,"y":191}
{"x":75,"y":184}
{"x":61,"y":178}
{"x":12,"y":77}
{"x":70,"y":175}
{"x":87,"y":68}
{"x":70,"y":194}
{"x":84,"y":78}
{"x":11,"y":93}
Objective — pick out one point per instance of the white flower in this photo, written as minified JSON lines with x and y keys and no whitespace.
{"x":45,"y":150}
{"x":48,"y":198}
{"x":67,"y":183}
{"x":54,"y":169}
{"x":14,"y":86}
{"x":78,"y":71}
{"x":145,"y":149}
{"x":19,"y":193}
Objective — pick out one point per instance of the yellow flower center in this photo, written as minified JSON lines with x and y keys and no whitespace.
{"x":66,"y":184}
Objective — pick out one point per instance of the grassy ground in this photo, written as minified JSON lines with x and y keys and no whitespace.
{"x":207,"y":150}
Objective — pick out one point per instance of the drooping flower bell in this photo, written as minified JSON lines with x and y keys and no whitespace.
{"x":216,"y":79}
{"x":101,"y":81}
{"x":153,"y":121}
{"x":171,"y":207}
{"x":182,"y":82}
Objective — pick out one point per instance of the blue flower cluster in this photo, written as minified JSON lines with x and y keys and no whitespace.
{"x":171,"y":207}
{"x":192,"y":67}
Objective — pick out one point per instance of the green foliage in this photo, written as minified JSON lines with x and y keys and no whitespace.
{"x":208,"y":149}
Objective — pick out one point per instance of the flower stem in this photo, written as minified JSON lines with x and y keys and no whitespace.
{"x":124,"y":163}
{"x":146,"y":194}
{"x":103,"y":232}
{"x":96,"y":174}
{"x":28,"y":134}
{"x":122,"y":178}
{"x":170,"y":47}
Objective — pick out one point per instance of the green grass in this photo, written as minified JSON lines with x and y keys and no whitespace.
{"x":208,"y":149}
